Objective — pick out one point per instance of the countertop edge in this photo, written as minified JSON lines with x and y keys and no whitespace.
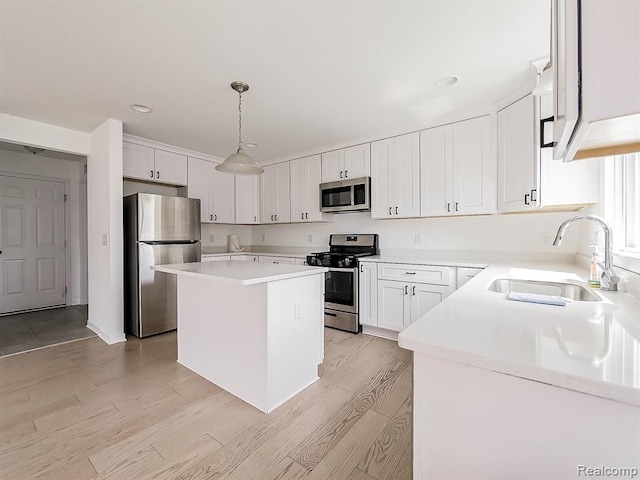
{"x":251,"y":281}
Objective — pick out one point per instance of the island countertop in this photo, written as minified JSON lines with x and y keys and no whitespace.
{"x":240,"y":273}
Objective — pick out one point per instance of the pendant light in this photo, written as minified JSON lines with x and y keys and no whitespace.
{"x":239,"y":163}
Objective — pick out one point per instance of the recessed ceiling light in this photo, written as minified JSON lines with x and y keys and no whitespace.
{"x":445,"y":82}
{"x":140,"y":108}
{"x":251,"y":145}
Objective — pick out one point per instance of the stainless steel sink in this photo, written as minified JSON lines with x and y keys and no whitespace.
{"x":567,"y":290}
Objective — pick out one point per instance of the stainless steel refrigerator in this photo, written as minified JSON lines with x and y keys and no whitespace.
{"x":158,"y":229}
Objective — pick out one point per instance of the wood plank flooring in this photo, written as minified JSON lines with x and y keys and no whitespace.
{"x":86,"y":410}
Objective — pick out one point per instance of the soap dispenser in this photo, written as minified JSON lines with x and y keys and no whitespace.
{"x":594,"y":269}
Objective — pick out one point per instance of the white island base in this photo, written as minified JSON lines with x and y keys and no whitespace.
{"x":260,"y":339}
{"x":475,"y":424}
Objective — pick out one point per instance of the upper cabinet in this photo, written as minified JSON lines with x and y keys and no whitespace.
{"x":153,"y":165}
{"x":305,"y":189}
{"x":247,"y":199}
{"x":528,"y":177}
{"x":596,"y":99}
{"x":395,"y":177}
{"x":222,"y":197}
{"x":458,"y":169}
{"x":352,"y":162}
{"x":215,"y":190}
{"x":275,"y":204}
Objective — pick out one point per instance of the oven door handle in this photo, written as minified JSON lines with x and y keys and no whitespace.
{"x":331,"y":314}
{"x":343,"y":269}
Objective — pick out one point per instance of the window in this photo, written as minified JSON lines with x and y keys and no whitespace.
{"x":631,"y":202}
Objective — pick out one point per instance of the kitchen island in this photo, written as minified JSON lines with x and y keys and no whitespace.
{"x":254,"y":329}
{"x":508,"y":389}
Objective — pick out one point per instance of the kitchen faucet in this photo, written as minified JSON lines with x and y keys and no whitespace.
{"x":609,"y":280}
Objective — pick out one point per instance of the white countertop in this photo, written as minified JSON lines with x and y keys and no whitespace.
{"x":242,"y":273}
{"x":589,"y":347}
{"x":425,"y":260}
{"x":262,"y":254}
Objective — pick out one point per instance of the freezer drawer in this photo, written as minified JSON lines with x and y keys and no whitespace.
{"x":152,"y":302}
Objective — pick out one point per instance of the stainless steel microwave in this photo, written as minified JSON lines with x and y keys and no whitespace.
{"x":351,"y":195}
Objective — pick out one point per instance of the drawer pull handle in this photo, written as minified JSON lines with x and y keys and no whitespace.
{"x":409,"y":273}
{"x":330,"y":314}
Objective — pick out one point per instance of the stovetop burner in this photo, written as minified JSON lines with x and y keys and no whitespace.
{"x":345,"y":251}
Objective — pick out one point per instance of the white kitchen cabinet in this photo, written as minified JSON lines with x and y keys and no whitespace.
{"x":198,"y":185}
{"x":214,"y":189}
{"x":170,"y":167}
{"x":275,"y":259}
{"x":596,"y":99}
{"x":245,"y":258}
{"x":528,"y":177}
{"x":395,"y":177}
{"x":406,"y":292}
{"x":247,"y":199}
{"x":216,"y":258}
{"x":275,"y":194}
{"x":153,"y":165}
{"x":458,"y":169}
{"x":352,"y":162}
{"x":465,"y":274}
{"x":222,"y":208}
{"x":368,"y":294}
{"x":305,"y":189}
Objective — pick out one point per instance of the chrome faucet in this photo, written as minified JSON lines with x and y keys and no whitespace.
{"x":609,"y":281}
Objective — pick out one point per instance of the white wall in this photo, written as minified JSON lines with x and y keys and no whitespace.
{"x":220,"y":234}
{"x":487,"y":233}
{"x":43,"y":166}
{"x":104,"y":232}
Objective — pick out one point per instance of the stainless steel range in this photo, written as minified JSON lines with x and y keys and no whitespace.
{"x":341,"y":281}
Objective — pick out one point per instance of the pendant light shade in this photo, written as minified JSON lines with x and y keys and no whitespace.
{"x":239,"y":163}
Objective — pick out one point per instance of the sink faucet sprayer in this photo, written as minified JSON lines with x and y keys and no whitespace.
{"x":609,"y":279}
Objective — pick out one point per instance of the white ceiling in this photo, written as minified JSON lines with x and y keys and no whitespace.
{"x":321,"y":71}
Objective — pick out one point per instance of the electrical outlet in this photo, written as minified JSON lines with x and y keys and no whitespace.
{"x":104,"y":239}
{"x":418,"y":239}
{"x":212,"y":238}
{"x":596,"y":236}
{"x":545,"y":238}
{"x":297,"y":310}
{"x":264,"y":238}
{"x":310,"y":238}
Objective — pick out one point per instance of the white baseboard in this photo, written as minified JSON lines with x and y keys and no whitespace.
{"x":104,"y":336}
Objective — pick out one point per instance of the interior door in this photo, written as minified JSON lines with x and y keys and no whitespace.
{"x":32,"y":244}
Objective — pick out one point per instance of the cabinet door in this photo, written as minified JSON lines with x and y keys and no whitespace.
{"x":517,"y":156}
{"x":247,"y":199}
{"x":198,"y":186}
{"x":357,"y":161}
{"x":138,"y":162}
{"x":436,"y":172}
{"x":406,"y":178}
{"x":381,"y":181}
{"x":305,"y":189}
{"x":465,"y":274}
{"x":283,"y":194}
{"x":268,"y":194}
{"x":424,"y":297}
{"x":171,"y":168}
{"x":393,"y":305}
{"x":474,"y":167}
{"x":368,"y":294}
{"x":333,"y":166}
{"x":223,"y":205}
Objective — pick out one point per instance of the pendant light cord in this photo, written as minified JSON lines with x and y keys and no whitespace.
{"x":240,"y":121}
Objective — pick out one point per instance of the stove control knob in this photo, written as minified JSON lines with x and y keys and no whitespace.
{"x":347,"y":262}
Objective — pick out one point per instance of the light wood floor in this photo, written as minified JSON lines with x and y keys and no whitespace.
{"x":86,"y":410}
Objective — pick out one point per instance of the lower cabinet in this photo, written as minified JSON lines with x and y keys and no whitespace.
{"x":245,"y":258}
{"x":274,"y":259}
{"x":394,"y":295}
{"x":402,"y":303}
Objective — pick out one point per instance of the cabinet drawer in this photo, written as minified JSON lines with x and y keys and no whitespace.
{"x":415,"y":273}
{"x":215,"y":258}
{"x":270,"y":259}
